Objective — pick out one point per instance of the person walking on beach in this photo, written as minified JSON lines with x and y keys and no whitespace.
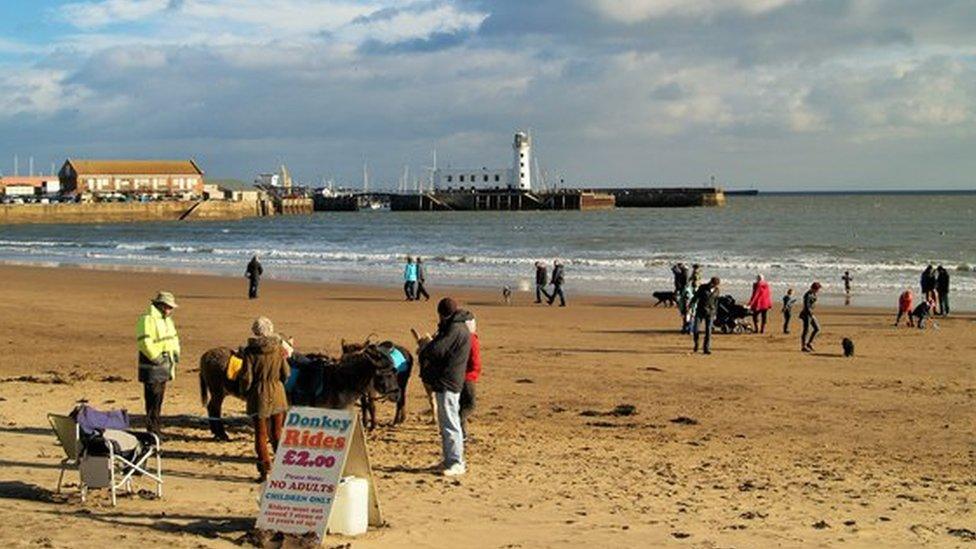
{"x":788,"y":302}
{"x":159,"y":353}
{"x":942,"y":289}
{"x":760,"y":303}
{"x":443,"y":362}
{"x":695,"y":277}
{"x":847,"y":278}
{"x":810,"y":325}
{"x":410,"y":279}
{"x":680,"y":273}
{"x":705,"y":304}
{"x":905,"y":308}
{"x":541,"y":281}
{"x":558,"y":278}
{"x":253,"y":273}
{"x":262,"y":381}
{"x":468,"y":399}
{"x":928,"y":283}
{"x":684,"y":298}
{"x":421,"y":281}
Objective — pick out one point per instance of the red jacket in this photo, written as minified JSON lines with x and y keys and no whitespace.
{"x":762,"y":299}
{"x":474,"y":360}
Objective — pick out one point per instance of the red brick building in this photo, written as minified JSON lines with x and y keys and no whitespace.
{"x":161,"y":177}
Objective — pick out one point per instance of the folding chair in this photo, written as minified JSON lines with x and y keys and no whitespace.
{"x":110,"y":458}
{"x":69,"y":438}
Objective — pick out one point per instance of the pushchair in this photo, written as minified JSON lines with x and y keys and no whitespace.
{"x":730,"y":316}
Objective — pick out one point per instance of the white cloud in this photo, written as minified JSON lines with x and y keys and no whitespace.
{"x":633,"y":11}
{"x":38,"y":92}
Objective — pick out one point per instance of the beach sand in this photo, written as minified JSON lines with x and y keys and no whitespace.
{"x":756,"y":445}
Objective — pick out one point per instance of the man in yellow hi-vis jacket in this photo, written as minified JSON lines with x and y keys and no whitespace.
{"x":159,"y":353}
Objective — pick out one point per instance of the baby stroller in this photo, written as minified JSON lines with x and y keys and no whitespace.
{"x":730,"y":316}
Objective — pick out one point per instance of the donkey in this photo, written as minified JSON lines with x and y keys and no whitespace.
{"x":320,"y":381}
{"x":402,"y":362}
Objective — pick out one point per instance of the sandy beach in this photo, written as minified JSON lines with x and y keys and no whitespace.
{"x":756,"y":445}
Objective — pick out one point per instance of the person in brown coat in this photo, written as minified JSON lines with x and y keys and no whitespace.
{"x":262,"y":380}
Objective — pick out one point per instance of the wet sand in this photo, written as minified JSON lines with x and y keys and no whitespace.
{"x":755,"y":445}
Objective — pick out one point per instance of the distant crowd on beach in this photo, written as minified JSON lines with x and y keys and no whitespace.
{"x":703,"y":308}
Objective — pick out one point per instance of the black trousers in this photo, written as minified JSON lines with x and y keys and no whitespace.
{"x":557,"y":290}
{"x":468,"y":401}
{"x":810,"y":326}
{"x":787,"y":315}
{"x":252,"y":289}
{"x":410,"y":290}
{"x":153,"y":395}
{"x":421,"y":291}
{"x":540,"y":290}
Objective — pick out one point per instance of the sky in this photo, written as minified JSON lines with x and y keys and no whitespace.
{"x":767,"y":94}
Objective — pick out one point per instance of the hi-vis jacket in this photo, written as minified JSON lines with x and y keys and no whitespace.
{"x":159,"y":347}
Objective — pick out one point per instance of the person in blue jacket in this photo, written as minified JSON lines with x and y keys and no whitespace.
{"x":410,"y":279}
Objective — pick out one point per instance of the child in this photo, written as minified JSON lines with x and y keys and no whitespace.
{"x":923,"y":311}
{"x":788,"y":302}
{"x":905,"y":308}
{"x":684,"y":307}
{"x":472,"y":372}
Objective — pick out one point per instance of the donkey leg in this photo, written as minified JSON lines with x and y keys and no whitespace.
{"x":433,"y":405}
{"x":401,"y":405}
{"x":214,"y":413}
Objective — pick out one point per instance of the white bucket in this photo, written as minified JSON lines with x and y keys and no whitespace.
{"x":350,"y":510}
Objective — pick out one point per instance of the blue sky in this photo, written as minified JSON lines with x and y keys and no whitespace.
{"x":773,"y":94}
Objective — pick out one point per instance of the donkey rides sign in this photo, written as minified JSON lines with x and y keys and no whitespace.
{"x":318,"y":447}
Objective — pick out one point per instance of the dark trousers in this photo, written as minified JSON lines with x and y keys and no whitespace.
{"x":421,"y":291}
{"x":153,"y":395}
{"x":252,"y":289}
{"x":787,"y":316}
{"x":267,"y":429}
{"x":557,"y":290}
{"x":943,"y":304}
{"x":756,"y":317}
{"x":708,"y":322}
{"x":468,"y":402}
{"x":540,"y":290}
{"x":811,"y":327}
{"x":410,"y":290}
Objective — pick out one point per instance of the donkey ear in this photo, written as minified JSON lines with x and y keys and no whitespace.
{"x":343,"y":343}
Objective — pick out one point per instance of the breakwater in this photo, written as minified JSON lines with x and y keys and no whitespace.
{"x":127,"y":212}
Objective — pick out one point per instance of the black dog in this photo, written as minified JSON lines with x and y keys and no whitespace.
{"x":848,"y":346}
{"x":667,"y":299}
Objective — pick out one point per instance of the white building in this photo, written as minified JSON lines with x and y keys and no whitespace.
{"x":517,"y":177}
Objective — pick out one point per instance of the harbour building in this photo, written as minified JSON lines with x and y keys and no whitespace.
{"x":169,"y":178}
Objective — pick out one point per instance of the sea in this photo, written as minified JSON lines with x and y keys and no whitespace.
{"x":884,"y":240}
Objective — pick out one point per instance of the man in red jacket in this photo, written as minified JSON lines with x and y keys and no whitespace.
{"x":468,"y":393}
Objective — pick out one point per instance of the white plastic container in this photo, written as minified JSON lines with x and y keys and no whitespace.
{"x":350,"y":510}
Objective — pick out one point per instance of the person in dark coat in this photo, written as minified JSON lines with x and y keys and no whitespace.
{"x":705,"y":305}
{"x":444,"y":361}
{"x":928,"y":282}
{"x":262,"y":382}
{"x":558,"y":278}
{"x":680,"y":273}
{"x":942,"y":289}
{"x":421,"y":281}
{"x":810,"y":325}
{"x":541,"y":281}
{"x":253,"y":273}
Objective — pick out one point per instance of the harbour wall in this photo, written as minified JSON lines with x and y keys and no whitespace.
{"x":128,"y":212}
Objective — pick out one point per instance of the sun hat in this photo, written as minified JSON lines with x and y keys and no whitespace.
{"x":165,"y":298}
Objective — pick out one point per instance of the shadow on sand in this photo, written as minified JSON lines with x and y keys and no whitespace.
{"x":211,"y":527}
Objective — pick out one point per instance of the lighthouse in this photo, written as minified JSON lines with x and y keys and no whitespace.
{"x":521,"y":167}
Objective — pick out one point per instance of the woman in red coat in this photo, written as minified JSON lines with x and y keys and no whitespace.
{"x":760,"y":303}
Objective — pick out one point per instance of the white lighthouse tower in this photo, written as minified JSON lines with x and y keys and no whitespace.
{"x":522,"y":166}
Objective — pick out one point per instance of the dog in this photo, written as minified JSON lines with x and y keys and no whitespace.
{"x":848,"y":346}
{"x":507,"y":295}
{"x":668,"y":299}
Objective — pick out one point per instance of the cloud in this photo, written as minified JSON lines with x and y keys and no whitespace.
{"x":631,"y":11}
{"x":613,"y":91}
